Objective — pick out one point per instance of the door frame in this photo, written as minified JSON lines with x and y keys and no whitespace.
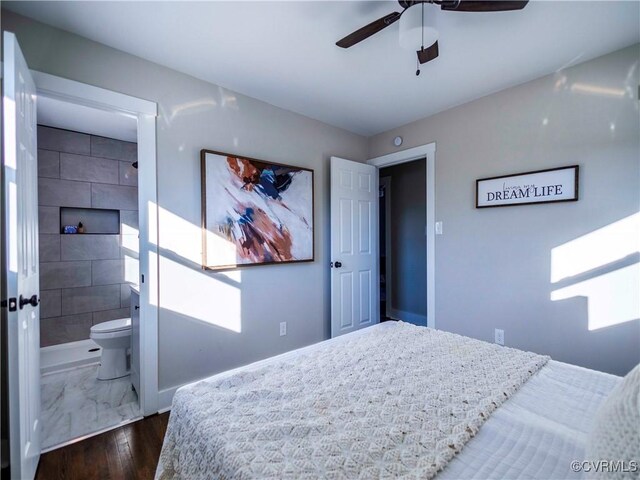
{"x":427,"y":151}
{"x":145,"y":112}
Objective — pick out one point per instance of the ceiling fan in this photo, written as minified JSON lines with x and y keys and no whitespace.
{"x":431,"y":52}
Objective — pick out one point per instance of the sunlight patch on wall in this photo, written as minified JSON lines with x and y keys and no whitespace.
{"x":212,"y":298}
{"x":225,"y":251}
{"x":128,"y":229}
{"x":185,"y":239}
{"x":180,"y":236}
{"x":131,"y":269}
{"x":596,"y":249}
{"x":202,"y":297}
{"x":613,"y":298}
{"x":130,"y":241}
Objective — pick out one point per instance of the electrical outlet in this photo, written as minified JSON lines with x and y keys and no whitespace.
{"x":438,"y":228}
{"x":283,"y":329}
{"x":499,"y":336}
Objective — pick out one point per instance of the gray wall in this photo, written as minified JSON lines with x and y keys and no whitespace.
{"x":493,"y":266}
{"x":201,"y":313}
{"x":84,"y":278}
{"x":408,"y":240}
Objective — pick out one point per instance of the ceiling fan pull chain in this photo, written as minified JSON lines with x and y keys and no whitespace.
{"x":422,"y":30}
{"x":422,"y":47}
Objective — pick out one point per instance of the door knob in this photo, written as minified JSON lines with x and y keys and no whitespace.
{"x":33,"y":301}
{"x":337,"y":264}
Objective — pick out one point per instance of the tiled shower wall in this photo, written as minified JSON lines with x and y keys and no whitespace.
{"x":84,"y":278}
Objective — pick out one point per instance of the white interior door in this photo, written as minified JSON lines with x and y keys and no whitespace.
{"x":21,"y":243}
{"x":354,"y":246}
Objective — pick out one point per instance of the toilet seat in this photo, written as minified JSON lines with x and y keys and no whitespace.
{"x":121,"y":324}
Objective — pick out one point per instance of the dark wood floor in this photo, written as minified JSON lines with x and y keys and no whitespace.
{"x":128,"y":452}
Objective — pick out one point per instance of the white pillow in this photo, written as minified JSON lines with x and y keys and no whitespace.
{"x":615,"y":436}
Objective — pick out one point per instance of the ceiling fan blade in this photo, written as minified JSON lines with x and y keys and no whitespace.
{"x":428,"y":54}
{"x":368,"y":30}
{"x":483,"y":6}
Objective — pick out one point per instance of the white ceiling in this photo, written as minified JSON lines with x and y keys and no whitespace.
{"x":59,"y":114}
{"x":284,"y":52}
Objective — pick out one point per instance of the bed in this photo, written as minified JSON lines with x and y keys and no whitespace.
{"x":511,"y":414}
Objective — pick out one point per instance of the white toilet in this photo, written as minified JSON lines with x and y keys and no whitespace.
{"x":114,"y":337}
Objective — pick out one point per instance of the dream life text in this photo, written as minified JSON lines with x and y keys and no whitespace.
{"x":526,"y":191}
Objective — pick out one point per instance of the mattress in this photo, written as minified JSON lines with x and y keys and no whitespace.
{"x":535,"y":434}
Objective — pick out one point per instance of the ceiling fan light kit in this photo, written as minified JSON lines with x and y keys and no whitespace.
{"x":412,"y":33}
{"x":419,"y":23}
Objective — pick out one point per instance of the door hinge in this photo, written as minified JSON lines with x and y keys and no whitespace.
{"x":12,"y":304}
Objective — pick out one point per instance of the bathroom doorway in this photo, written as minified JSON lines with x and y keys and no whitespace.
{"x":89,"y":250}
{"x":21,"y":403}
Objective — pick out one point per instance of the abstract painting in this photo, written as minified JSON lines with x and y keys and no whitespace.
{"x":254,"y":212}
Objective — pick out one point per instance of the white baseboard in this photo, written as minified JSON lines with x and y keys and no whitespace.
{"x":165,"y":397}
{"x":409,"y":317}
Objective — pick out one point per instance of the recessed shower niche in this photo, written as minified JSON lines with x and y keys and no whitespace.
{"x":94,"y":220}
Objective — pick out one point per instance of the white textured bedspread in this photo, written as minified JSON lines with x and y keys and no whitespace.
{"x":391,"y":402}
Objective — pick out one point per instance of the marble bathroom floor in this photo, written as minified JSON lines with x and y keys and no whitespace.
{"x":75,"y":403}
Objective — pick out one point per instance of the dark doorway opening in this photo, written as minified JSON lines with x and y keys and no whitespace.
{"x":403,"y":242}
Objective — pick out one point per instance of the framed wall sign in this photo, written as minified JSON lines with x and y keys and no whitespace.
{"x":254,"y":212}
{"x":541,"y":186}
